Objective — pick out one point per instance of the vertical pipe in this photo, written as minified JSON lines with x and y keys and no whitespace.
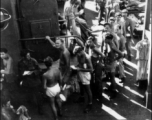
{"x":145,"y":19}
{"x":147,"y":24}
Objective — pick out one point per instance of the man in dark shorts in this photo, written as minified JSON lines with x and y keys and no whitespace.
{"x":97,"y":61}
{"x":52,"y":86}
{"x":111,"y":61}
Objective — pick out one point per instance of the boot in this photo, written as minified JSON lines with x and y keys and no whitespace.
{"x":88,"y":108}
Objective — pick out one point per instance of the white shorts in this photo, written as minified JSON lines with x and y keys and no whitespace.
{"x":53,"y":91}
{"x":84,"y":77}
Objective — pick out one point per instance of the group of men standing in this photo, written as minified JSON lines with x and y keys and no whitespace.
{"x":56,"y":80}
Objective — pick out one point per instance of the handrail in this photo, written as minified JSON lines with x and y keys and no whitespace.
{"x":79,"y":40}
{"x":41,"y":38}
{"x":61,"y":20}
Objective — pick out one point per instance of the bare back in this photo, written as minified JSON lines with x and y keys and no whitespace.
{"x":52,"y":76}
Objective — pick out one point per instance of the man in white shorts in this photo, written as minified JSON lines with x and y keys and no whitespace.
{"x":84,"y":70}
{"x":52,"y":83}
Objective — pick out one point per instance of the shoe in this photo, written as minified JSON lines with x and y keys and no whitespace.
{"x":60,"y":113}
{"x":88,"y":108}
{"x":123,"y":80}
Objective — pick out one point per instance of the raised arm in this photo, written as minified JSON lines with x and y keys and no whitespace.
{"x":131,"y":28}
{"x":79,"y":42}
{"x":49,"y":39}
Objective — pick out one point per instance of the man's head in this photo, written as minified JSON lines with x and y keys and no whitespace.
{"x":118,"y":16}
{"x":4,"y":53}
{"x":59,"y":43}
{"x":112,"y":1}
{"x":111,"y":20}
{"x":108,"y":38}
{"x":79,"y":51}
{"x":107,"y":27}
{"x":124,"y":13}
{"x":117,"y":29}
{"x":76,"y":3}
{"x":25,"y":54}
{"x":48,"y":61}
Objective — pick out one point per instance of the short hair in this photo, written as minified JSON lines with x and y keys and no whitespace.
{"x":124,"y":11}
{"x":75,"y":2}
{"x":107,"y":24}
{"x":109,"y":36}
{"x":111,"y":18}
{"x":78,"y":2}
{"x":4,"y":50}
{"x":72,"y":1}
{"x":78,"y":49}
{"x":48,"y":61}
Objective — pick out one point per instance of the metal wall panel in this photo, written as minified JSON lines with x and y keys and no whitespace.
{"x":38,"y":18}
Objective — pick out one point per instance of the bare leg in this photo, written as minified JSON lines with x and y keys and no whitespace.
{"x":89,"y":94}
{"x":59,"y":105}
{"x":113,"y":85}
{"x":52,"y":104}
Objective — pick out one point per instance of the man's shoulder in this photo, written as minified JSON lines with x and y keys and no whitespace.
{"x":129,"y":19}
{"x":114,"y":35}
{"x":88,"y":57}
{"x":10,"y":59}
{"x":33,"y":60}
{"x":51,"y":71}
{"x":66,"y":52}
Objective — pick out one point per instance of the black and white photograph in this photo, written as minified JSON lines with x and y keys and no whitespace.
{"x":75,"y":60}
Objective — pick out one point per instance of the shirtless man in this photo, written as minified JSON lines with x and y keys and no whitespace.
{"x":111,"y":7}
{"x":84,"y":70}
{"x":129,"y":33}
{"x":64,"y":65}
{"x":7,"y":63}
{"x":118,"y":20}
{"x":7,"y":73}
{"x":108,"y":28}
{"x":113,"y":55}
{"x":96,"y":59}
{"x":69,"y":8}
{"x":52,"y":83}
{"x":122,"y":48}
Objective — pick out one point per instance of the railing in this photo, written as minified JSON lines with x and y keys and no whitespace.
{"x":43,"y":38}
